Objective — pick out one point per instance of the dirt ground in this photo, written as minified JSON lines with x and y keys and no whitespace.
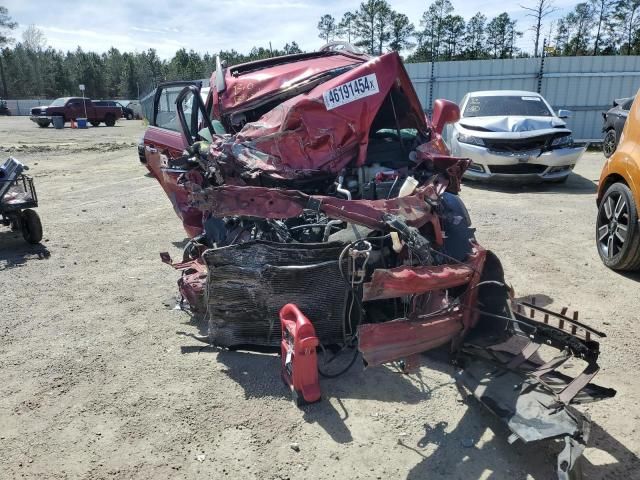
{"x":99,"y":377}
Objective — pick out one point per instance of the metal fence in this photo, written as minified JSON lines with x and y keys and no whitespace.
{"x":23,"y":107}
{"x":585,"y":85}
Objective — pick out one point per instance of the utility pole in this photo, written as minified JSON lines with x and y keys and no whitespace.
{"x":4,"y":80}
{"x":84,"y":104}
{"x":541,"y":72}
{"x":432,"y":80}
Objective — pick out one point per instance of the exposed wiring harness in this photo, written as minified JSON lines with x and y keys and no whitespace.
{"x":359,"y":252}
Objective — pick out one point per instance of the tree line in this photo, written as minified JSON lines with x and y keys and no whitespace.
{"x":31,"y":69}
{"x":595,"y":27}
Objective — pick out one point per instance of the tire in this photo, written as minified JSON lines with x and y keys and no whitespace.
{"x":190,"y":251}
{"x":31,"y":226}
{"x":94,"y":124}
{"x":109,"y":120}
{"x":609,"y":143}
{"x":617,"y":229}
{"x":457,"y":223}
{"x":129,"y":116}
{"x":44,"y":123}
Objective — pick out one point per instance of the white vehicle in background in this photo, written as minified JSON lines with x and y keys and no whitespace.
{"x":513,"y":136}
{"x":136,"y":107}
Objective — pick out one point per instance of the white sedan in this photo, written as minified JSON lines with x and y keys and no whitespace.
{"x":513,"y":136}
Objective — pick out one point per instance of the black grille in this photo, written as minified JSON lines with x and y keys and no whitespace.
{"x":249,"y":284}
{"x":516,"y":145}
{"x":520,"y":168}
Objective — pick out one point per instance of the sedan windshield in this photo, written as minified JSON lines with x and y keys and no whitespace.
{"x":499,"y":105}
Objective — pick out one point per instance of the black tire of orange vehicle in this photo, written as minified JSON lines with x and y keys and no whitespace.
{"x":609,"y":143}
{"x":109,"y":120}
{"x":94,"y":124}
{"x":627,"y":256}
{"x":31,"y":226}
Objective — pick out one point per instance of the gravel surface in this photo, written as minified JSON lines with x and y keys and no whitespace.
{"x":99,"y":377}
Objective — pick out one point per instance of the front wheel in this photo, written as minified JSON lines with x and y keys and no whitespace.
{"x":110,"y":120}
{"x":609,"y":143}
{"x":44,"y":123}
{"x":31,"y":226}
{"x":617,"y":232}
{"x":129,"y":116}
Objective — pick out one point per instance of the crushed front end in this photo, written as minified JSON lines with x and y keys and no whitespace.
{"x":351,"y":213}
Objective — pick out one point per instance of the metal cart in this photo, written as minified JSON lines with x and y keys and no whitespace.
{"x":17,"y":199}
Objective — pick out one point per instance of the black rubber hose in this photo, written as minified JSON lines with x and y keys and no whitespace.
{"x":345,"y":369}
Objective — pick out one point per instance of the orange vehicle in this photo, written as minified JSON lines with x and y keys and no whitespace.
{"x":617,"y":227}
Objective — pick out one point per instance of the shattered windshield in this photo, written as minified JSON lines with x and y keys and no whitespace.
{"x":499,"y":105}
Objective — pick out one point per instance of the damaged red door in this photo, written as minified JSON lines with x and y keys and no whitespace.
{"x":164,"y":141}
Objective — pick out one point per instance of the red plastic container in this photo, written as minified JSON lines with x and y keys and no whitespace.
{"x":299,"y":359}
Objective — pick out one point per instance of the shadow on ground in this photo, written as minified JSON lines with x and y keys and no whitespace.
{"x":635,"y":276}
{"x":181,"y":243}
{"x":15,"y":252}
{"x":576,"y":184}
{"x":445,"y":449}
{"x":259,"y":375}
{"x":458,"y":451}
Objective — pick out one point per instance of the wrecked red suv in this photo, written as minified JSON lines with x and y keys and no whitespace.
{"x":317,"y":180}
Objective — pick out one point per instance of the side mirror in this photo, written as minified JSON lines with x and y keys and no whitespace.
{"x":444,"y":112}
{"x":565,"y":113}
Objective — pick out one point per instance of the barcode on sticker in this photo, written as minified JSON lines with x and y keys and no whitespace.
{"x":351,"y":91}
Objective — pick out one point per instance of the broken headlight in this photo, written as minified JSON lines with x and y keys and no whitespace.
{"x":562,"y":141}
{"x":462,"y":138}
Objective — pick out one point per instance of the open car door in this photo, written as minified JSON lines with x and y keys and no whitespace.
{"x":164,"y":144}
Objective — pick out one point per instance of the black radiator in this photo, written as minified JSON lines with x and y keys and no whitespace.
{"x":250,"y":282}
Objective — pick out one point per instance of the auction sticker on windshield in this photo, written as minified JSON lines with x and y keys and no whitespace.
{"x":351,"y":91}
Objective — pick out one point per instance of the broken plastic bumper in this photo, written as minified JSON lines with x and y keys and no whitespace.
{"x":525,"y":166}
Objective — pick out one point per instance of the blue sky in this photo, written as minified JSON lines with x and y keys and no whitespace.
{"x":213,"y":25}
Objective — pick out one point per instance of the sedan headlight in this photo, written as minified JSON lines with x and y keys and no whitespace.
{"x":562,"y":141}
{"x":462,"y":138}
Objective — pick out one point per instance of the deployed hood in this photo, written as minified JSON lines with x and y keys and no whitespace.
{"x":511,"y":123}
{"x":321,"y":131}
{"x":250,"y":81}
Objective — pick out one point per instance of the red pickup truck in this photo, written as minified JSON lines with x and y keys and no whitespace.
{"x":71,"y":108}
